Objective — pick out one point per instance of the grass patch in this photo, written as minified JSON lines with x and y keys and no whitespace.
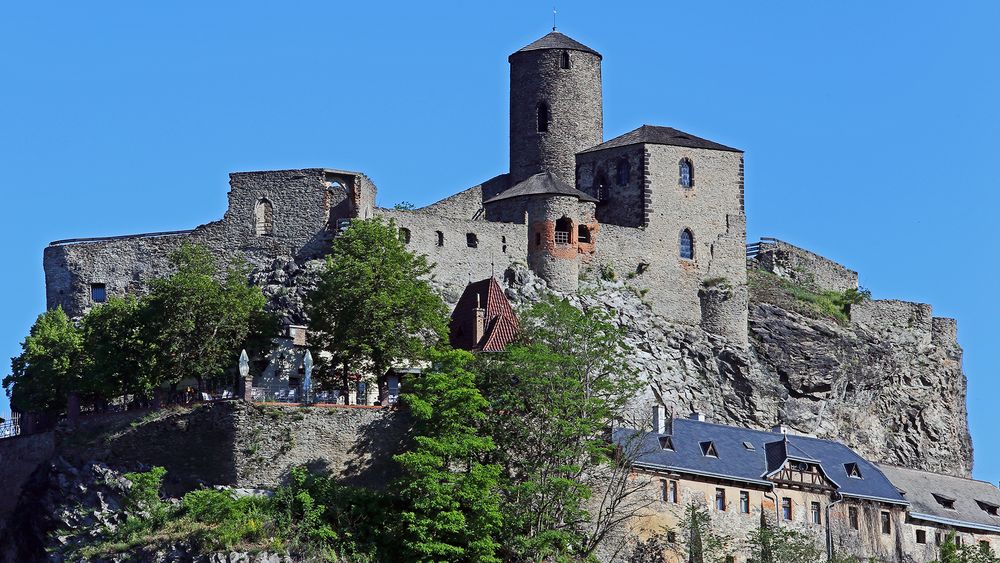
{"x":766,"y":287}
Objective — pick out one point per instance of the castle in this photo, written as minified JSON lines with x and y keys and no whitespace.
{"x":663,"y":207}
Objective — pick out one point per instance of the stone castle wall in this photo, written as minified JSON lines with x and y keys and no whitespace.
{"x":804,"y":267}
{"x":20,"y":456}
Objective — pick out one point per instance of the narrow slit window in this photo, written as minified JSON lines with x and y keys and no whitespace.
{"x":543,"y":117}
{"x":440,"y":238}
{"x":564,"y":60}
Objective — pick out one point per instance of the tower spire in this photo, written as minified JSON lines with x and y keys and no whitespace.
{"x":553,"y":18}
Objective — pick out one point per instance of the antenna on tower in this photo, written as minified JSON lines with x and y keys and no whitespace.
{"x":553,"y":18}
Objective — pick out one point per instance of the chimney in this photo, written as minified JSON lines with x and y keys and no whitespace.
{"x":779,"y":429}
{"x":479,"y":328}
{"x":659,"y":419}
{"x":697,"y":415}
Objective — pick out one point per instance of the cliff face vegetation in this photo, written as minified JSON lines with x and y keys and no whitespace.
{"x":892,"y":395}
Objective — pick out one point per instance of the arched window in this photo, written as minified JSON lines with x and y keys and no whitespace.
{"x":404,"y":235}
{"x":687,"y":245}
{"x":564,"y":227}
{"x":263,"y":218}
{"x":564,"y":60}
{"x":622,"y":172}
{"x":687,"y":173}
{"x":583,"y":234}
{"x":440,"y":238}
{"x":543,"y":117}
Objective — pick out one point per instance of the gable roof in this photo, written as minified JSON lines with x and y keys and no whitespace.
{"x":770,"y":451}
{"x":555,"y":40}
{"x":657,"y":135}
{"x":919,"y":487}
{"x":543,"y":183}
{"x":499,"y":318}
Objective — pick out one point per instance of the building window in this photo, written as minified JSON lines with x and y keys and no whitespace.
{"x":817,"y":517}
{"x":852,"y":515}
{"x":853,"y":471}
{"x":583,"y":234}
{"x":720,"y":500}
{"x":666,"y":443}
{"x":622,"y":172}
{"x":671,"y":537}
{"x":538,"y":239}
{"x":687,"y":245}
{"x":945,"y":502}
{"x":671,"y":492}
{"x":564,"y":60}
{"x":404,"y":235}
{"x":937,"y":538}
{"x":263,"y":218}
{"x":745,"y":502}
{"x":708,"y":449}
{"x":959,"y":541}
{"x":543,"y":117}
{"x":440,"y":238}
{"x":471,"y":240}
{"x":564,"y":226}
{"x":686,"y":173}
{"x":985,"y":545}
{"x":990,"y":509}
{"x":921,"y":536}
{"x":886,"y":523}
{"x":601,"y":187}
{"x":98,"y":292}
{"x":786,"y":508}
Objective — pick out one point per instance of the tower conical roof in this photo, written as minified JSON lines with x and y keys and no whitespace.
{"x":556,"y":40}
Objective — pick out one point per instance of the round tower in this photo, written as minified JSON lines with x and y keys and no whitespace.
{"x":555,"y":106}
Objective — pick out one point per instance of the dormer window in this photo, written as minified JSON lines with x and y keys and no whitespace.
{"x":989,"y":508}
{"x":748,"y":446}
{"x":708,"y":449}
{"x":666,"y":443}
{"x":564,"y":60}
{"x":945,"y":502}
{"x":853,"y":471}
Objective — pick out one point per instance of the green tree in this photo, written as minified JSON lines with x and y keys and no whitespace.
{"x":553,"y":395}
{"x":196,"y":322}
{"x":697,"y":541}
{"x":452,"y":507}
{"x":373,"y":304}
{"x":48,"y":368}
{"x":951,"y":552}
{"x":116,"y":350}
{"x":777,"y":544}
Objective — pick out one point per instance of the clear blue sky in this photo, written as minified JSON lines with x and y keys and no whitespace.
{"x":870,"y":128}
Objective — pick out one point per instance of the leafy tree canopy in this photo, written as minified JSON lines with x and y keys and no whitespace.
{"x":373,"y":305}
{"x":48,"y":368}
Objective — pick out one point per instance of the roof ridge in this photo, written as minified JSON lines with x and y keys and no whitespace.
{"x":938,"y":473}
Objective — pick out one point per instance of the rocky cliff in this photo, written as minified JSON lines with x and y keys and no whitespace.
{"x":891,"y":395}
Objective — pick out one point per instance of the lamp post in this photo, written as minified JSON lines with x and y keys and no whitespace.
{"x":307,"y":362}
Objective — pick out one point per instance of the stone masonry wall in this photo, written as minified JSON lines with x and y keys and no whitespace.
{"x":619,"y":204}
{"x":800,"y":265}
{"x":19,"y":458}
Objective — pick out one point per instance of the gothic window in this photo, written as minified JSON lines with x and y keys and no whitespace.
{"x":583,"y":234}
{"x":687,"y":245}
{"x":471,"y":240}
{"x":564,"y":227}
{"x":263,"y":218}
{"x":440,"y":238}
{"x":687,"y":173}
{"x":543,"y":117}
{"x":98,"y":292}
{"x":564,"y":60}
{"x":622,"y":172}
{"x":404,"y":235}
